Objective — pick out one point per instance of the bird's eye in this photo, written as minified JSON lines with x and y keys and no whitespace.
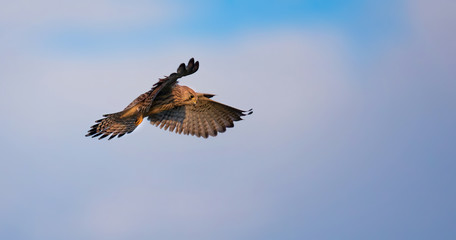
{"x":191,"y":96}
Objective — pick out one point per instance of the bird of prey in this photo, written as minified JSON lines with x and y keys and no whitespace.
{"x":172,"y":107}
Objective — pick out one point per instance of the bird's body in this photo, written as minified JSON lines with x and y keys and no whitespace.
{"x":172,"y":106}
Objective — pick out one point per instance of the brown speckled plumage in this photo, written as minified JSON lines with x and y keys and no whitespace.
{"x":172,"y":107}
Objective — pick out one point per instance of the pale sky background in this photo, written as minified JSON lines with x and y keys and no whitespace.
{"x":352,"y":137}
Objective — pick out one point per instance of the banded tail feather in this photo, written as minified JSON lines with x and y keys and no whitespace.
{"x":115,"y":125}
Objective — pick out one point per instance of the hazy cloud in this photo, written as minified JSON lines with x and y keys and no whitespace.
{"x":88,"y":14}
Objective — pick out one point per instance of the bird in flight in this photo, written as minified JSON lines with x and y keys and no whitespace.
{"x":172,"y":107}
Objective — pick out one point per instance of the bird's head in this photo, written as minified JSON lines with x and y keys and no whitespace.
{"x":189,"y":96}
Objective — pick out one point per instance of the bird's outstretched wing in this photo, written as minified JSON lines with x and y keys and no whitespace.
{"x":205,"y":118}
{"x":165,"y":85}
{"x":120,"y":123}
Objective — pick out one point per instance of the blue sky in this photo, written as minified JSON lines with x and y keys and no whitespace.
{"x":352,"y":135}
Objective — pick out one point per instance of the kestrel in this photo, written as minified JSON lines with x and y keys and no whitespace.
{"x":172,"y":107}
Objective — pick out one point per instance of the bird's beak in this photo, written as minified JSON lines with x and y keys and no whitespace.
{"x":195,"y":101}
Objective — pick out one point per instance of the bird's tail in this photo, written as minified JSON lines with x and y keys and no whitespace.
{"x":115,"y":124}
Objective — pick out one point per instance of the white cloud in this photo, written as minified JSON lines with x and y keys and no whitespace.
{"x":89,"y":14}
